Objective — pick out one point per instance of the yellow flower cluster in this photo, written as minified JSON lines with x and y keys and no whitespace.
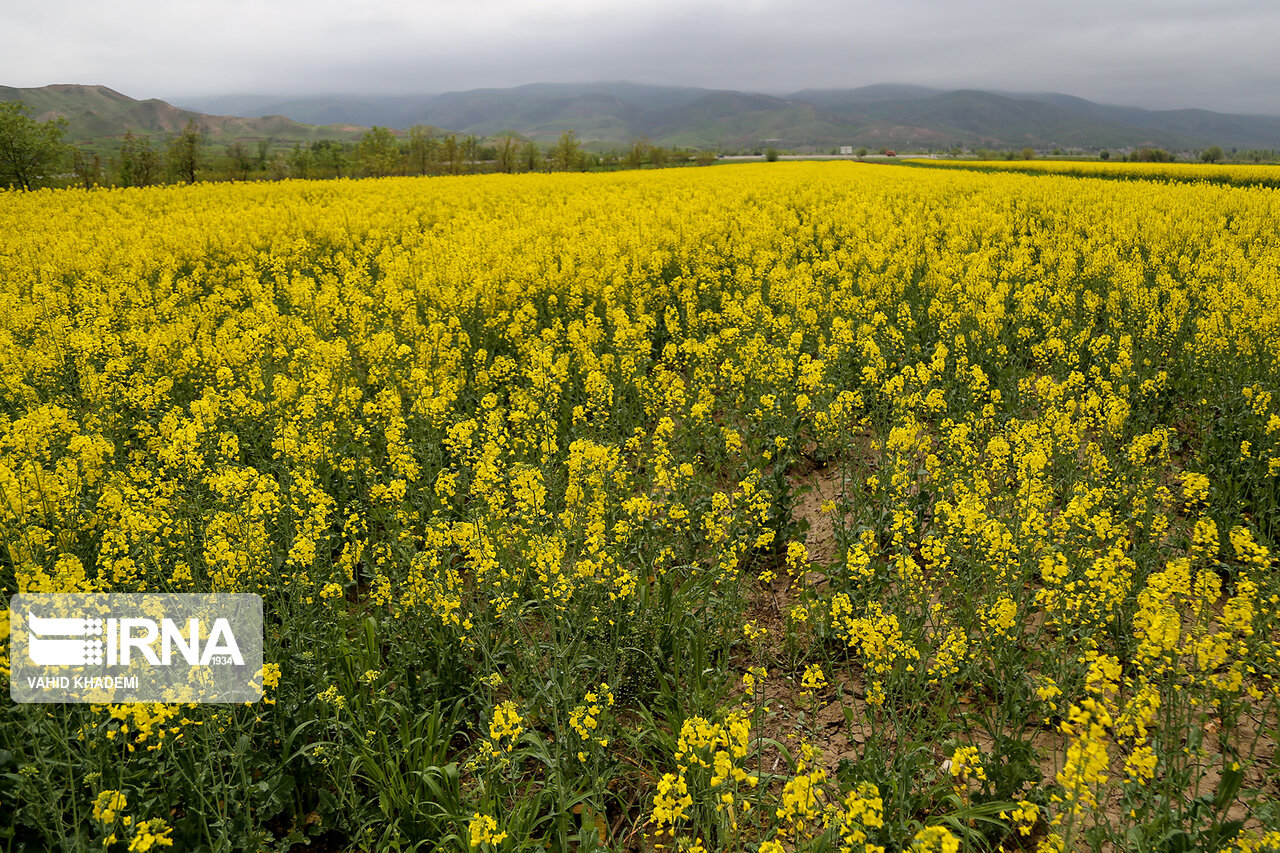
{"x":934,"y":839}
{"x":670,"y":807}
{"x":585,"y":718}
{"x":863,"y":809}
{"x":505,"y":728}
{"x":483,"y":829}
{"x":801,"y":805}
{"x":710,"y":759}
{"x":144,"y":723}
{"x":150,"y":835}
{"x":108,"y":805}
{"x":147,"y":834}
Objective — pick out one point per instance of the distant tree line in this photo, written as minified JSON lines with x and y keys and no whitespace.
{"x":425,"y":150}
{"x":1212,"y":154}
{"x":1143,"y":154}
{"x":33,"y":154}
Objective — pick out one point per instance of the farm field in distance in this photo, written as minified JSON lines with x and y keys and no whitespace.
{"x":1231,"y":174}
{"x":762,"y":508}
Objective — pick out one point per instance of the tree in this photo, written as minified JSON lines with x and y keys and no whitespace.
{"x":87,"y":167}
{"x":1104,"y":154}
{"x":508,"y":153}
{"x":1028,"y":153}
{"x":530,"y":157}
{"x":279,"y":166}
{"x":184,"y":152}
{"x":638,"y":153}
{"x":239,"y":161}
{"x":566,"y":154}
{"x":329,"y":153}
{"x":30,"y":151}
{"x":771,"y":154}
{"x":378,"y":152}
{"x":451,"y":154}
{"x":1212,"y":154}
{"x":139,"y":162}
{"x":299,"y":161}
{"x":423,"y":148}
{"x":470,"y":150}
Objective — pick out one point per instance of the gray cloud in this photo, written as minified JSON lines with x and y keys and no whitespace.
{"x":1216,"y":54}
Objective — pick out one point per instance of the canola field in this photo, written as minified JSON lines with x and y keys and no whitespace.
{"x":1232,"y":174}
{"x":761,"y":508}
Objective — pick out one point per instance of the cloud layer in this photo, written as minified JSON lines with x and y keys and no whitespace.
{"x":1216,"y":54}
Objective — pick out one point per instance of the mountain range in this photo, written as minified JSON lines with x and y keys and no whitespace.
{"x":873,"y":116}
{"x":614,"y":114}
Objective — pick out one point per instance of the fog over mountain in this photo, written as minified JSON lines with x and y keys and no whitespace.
{"x":883,"y":114}
{"x":615,"y":114}
{"x":1158,"y":54}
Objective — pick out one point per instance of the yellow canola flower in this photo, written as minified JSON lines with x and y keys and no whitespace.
{"x":108,"y":805}
{"x":505,"y":728}
{"x":483,"y":829}
{"x":150,"y":835}
{"x":934,"y":839}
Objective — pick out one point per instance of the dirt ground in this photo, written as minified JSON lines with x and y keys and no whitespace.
{"x":838,"y":735}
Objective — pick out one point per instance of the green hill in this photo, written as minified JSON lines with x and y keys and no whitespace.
{"x":542,"y":116}
{"x":614,"y":114}
{"x":871,"y":116}
{"x":987,"y":119}
{"x":98,"y":117}
{"x":740,"y":120}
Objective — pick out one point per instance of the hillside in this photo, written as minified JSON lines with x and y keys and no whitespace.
{"x":884,"y":114}
{"x":975,"y":118}
{"x":741,"y":120}
{"x":97,"y":115}
{"x":614,"y":114}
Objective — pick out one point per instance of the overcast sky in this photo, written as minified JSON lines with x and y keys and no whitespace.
{"x":1216,"y":54}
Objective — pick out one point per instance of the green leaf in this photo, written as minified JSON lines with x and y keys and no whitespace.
{"x":1228,"y":787}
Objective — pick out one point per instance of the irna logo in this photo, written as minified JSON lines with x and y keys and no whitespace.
{"x":62,"y":641}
